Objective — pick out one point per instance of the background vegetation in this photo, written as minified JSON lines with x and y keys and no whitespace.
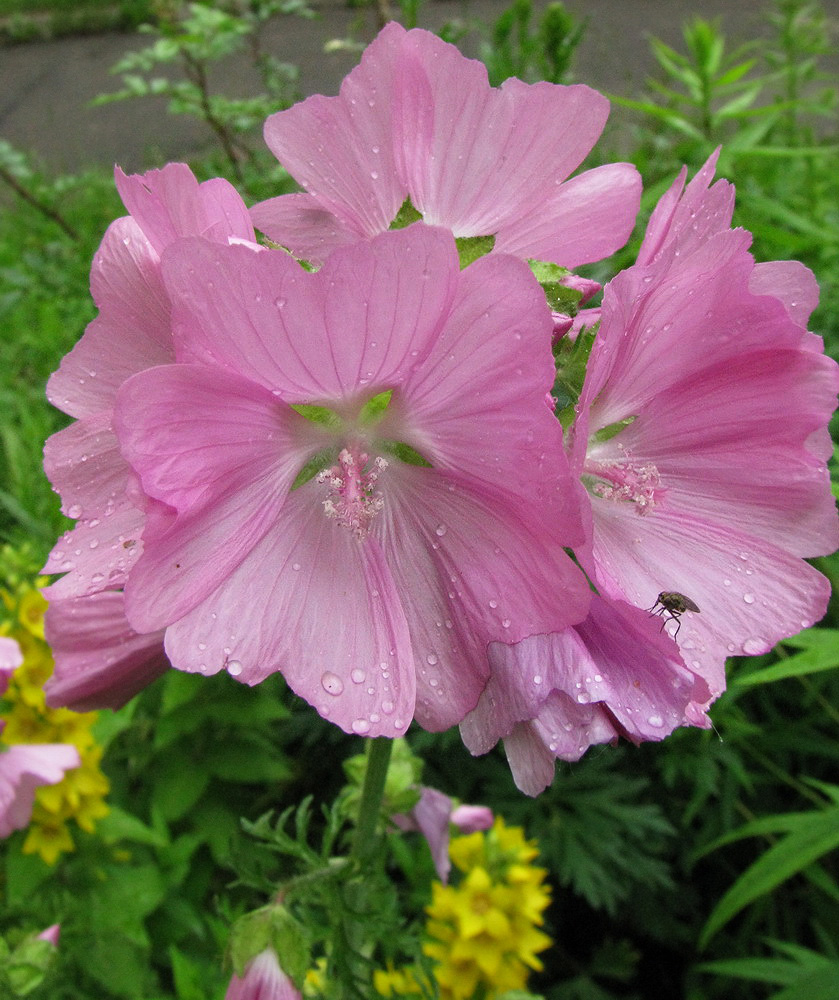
{"x":700,"y":868}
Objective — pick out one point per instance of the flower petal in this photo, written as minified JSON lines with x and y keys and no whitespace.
{"x":221,"y":454}
{"x":301,"y":223}
{"x":24,"y":768}
{"x":100,"y":661}
{"x":582,"y":220}
{"x":358,"y":324}
{"x":321,"y":607}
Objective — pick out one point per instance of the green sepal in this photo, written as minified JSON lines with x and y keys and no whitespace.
{"x":470,"y":248}
{"x":373,"y":409}
{"x":312,"y":468}
{"x":560,"y":299}
{"x":320,"y":415}
{"x":405,"y":453}
{"x":571,"y":359}
{"x":26,"y":967}
{"x":406,"y":215}
{"x":605,"y":433}
{"x":273,"y":927}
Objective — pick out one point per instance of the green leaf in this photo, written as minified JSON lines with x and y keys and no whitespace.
{"x":801,"y":847}
{"x":119,"y":825}
{"x":405,"y":453}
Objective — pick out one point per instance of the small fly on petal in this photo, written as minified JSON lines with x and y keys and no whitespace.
{"x":672,"y":606}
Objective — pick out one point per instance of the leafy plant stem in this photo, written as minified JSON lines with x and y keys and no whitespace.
{"x":47,"y":210}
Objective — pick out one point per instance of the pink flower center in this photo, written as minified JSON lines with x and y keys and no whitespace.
{"x":624,"y":480}
{"x":353,"y":499}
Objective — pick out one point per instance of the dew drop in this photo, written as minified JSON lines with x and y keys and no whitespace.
{"x":331,"y":683}
{"x":74,"y":511}
{"x":493,"y":604}
{"x":749,"y":598}
{"x":505,"y":623}
{"x":202,"y":646}
{"x":656,"y":720}
{"x":295,"y":566}
{"x":387,"y":707}
{"x":234,"y":668}
{"x":753,"y":646}
{"x":432,"y":659}
{"x":357,"y":676}
{"x":440,"y":530}
{"x":537,"y":679}
{"x":361,"y":726}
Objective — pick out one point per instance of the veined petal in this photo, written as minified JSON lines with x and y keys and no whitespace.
{"x":323,"y":609}
{"x":791,"y":282}
{"x":582,"y":220}
{"x":469,"y":572}
{"x":132,"y":331}
{"x":476,"y":406}
{"x":221,"y":453}
{"x":751,"y":593}
{"x":100,"y":661}
{"x":356,"y":326}
{"x":474,"y":157}
{"x":340,"y":148}
{"x":301,"y":223}
{"x":170,"y":203}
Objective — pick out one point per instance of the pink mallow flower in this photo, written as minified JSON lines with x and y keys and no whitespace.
{"x":416,"y":119}
{"x":351,"y":475}
{"x":701,"y":441}
{"x":263,"y":979}
{"x":132,"y":332}
{"x":433,"y":816}
{"x":26,"y":767}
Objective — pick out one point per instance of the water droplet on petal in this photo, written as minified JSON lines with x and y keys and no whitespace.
{"x":749,"y":598}
{"x":357,"y":676}
{"x":753,"y":646}
{"x":440,"y":530}
{"x":234,"y":668}
{"x":656,"y":720}
{"x":432,"y":659}
{"x":332,"y":683}
{"x":361,"y":726}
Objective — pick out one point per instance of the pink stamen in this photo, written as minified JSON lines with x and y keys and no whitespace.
{"x":353,"y":500}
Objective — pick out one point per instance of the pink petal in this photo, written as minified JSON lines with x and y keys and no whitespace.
{"x":314,"y":603}
{"x":580,"y":221}
{"x":361,"y":322}
{"x":264,"y":979}
{"x":791,"y":282}
{"x":222,"y":467}
{"x":170,"y":203}
{"x":100,"y":661}
{"x":131,"y":333}
{"x":24,"y":768}
{"x":431,"y":816}
{"x":10,"y":659}
{"x":85,"y":466}
{"x":751,"y":593}
{"x":341,"y":149}
{"x":476,"y":158}
{"x":301,"y":223}
{"x":469,"y":572}
{"x":476,"y":405}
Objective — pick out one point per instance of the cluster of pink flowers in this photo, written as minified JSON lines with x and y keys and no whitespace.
{"x":350,"y":474}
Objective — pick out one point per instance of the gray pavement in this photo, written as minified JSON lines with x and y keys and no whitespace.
{"x":46,"y":87}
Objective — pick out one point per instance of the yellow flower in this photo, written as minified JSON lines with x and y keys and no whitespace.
{"x":47,"y":836}
{"x":482,"y":932}
{"x":31,"y":612}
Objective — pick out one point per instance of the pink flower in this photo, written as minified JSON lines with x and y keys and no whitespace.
{"x":417,"y":119}
{"x":25,"y":767}
{"x":701,"y":442}
{"x":51,"y":935}
{"x":433,"y":816}
{"x":10,"y":659}
{"x":263,"y":980}
{"x":437,"y":522}
{"x":131,"y":333}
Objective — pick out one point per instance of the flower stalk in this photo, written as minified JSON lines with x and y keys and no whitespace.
{"x":378,"y":758}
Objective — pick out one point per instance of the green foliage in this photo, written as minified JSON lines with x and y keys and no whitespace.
{"x":513,"y":48}
{"x":193,"y":37}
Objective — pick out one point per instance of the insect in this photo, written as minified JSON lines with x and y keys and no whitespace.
{"x":673,"y":606}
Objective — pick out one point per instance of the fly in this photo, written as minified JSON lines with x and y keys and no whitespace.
{"x":671,"y":606}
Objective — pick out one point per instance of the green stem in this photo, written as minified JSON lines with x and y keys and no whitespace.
{"x":378,"y":758}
